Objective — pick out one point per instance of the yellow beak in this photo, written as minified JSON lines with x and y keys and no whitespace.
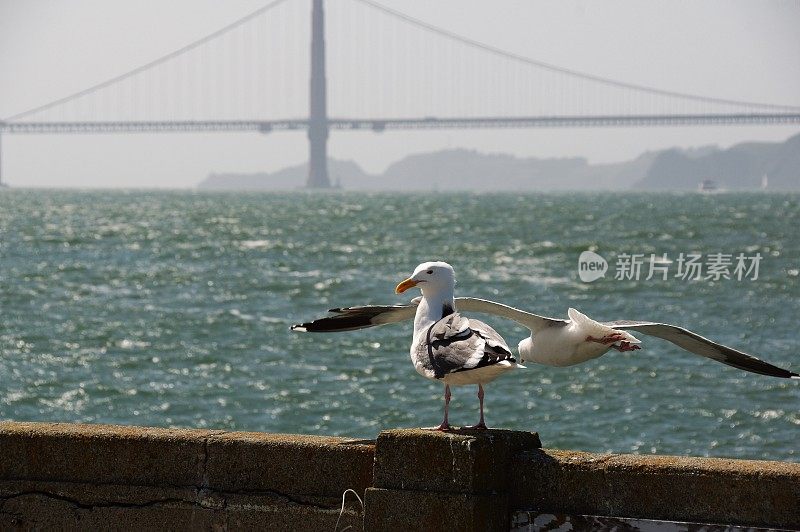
{"x":405,"y":285}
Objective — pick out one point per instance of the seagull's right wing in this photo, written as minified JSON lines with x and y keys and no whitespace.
{"x":353,"y":318}
{"x":534,"y":322}
{"x":694,"y":343}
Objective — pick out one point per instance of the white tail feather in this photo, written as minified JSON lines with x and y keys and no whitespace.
{"x":595,"y":328}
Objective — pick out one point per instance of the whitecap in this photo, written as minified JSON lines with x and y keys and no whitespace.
{"x":254,"y":244}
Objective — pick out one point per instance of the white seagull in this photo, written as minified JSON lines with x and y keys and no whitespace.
{"x":555,"y":341}
{"x":446,"y":346}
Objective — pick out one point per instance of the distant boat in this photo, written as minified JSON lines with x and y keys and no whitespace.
{"x":708,"y":186}
{"x":764,"y":182}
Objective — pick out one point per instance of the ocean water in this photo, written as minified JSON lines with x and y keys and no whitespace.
{"x":173,"y":309}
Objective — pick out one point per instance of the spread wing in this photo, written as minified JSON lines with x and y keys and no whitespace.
{"x":699,"y":345}
{"x":353,"y":318}
{"x":532,"y":321}
{"x":456,"y":343}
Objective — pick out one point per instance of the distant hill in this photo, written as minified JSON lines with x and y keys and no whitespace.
{"x":740,"y":167}
{"x":451,"y":169}
{"x":290,"y":178}
{"x":471,"y":170}
{"x":737,"y":168}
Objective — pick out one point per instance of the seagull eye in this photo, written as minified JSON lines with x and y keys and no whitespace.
{"x":429,"y":272}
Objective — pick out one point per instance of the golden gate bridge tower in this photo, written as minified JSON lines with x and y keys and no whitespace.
{"x":318,"y":105}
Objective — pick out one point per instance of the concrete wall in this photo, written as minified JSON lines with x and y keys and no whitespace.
{"x":105,"y":477}
{"x":703,"y":490}
{"x":64,"y":476}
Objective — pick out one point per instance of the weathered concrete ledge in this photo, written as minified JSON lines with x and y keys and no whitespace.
{"x":67,"y":476}
{"x":703,"y":490}
{"x":428,"y":480}
{"x":57,"y":476}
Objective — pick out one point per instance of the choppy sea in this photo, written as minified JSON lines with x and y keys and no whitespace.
{"x":173,"y":309}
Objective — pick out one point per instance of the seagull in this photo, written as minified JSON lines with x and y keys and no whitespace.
{"x":449,"y":347}
{"x":446,"y":346}
{"x":555,"y":341}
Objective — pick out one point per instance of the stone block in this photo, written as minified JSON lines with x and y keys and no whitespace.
{"x":288,"y":464}
{"x":388,"y":509}
{"x":101,"y":454}
{"x":711,"y":490}
{"x":474,"y":462}
{"x":87,"y":477}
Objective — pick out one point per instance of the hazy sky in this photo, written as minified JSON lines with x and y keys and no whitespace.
{"x":50,"y":48}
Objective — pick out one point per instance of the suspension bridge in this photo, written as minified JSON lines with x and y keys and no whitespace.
{"x":396,"y":72}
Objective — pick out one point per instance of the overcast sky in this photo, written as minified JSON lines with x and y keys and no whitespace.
{"x":50,"y":48}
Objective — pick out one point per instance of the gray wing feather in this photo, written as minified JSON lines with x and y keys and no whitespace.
{"x":448,"y":346}
{"x":534,"y":322}
{"x":699,"y":345}
{"x":455,"y":343}
{"x":492,"y":338}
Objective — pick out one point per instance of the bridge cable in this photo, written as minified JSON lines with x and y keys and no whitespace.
{"x":211,"y":36}
{"x":555,"y":68}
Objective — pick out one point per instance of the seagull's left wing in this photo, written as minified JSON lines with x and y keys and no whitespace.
{"x":534,"y":322}
{"x":699,"y":345}
{"x":353,"y":318}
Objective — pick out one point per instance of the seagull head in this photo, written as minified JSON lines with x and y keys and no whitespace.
{"x":431,"y":277}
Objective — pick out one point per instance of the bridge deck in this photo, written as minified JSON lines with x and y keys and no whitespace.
{"x":380,"y":124}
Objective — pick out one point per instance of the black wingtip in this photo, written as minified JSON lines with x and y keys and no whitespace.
{"x":338,"y":323}
{"x":765,"y":368}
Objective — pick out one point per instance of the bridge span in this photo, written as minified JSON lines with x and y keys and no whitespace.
{"x":209,"y":85}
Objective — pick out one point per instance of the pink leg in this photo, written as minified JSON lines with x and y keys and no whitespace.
{"x":626,"y":346}
{"x":612,"y":338}
{"x":481,"y":425}
{"x":607,"y":339}
{"x":445,"y":424}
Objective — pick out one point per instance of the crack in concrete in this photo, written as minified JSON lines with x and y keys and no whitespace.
{"x":204,"y":457}
{"x":78,"y":505}
{"x":200,"y":499}
{"x":84,"y":506}
{"x":199,"y":495}
{"x":300,"y":501}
